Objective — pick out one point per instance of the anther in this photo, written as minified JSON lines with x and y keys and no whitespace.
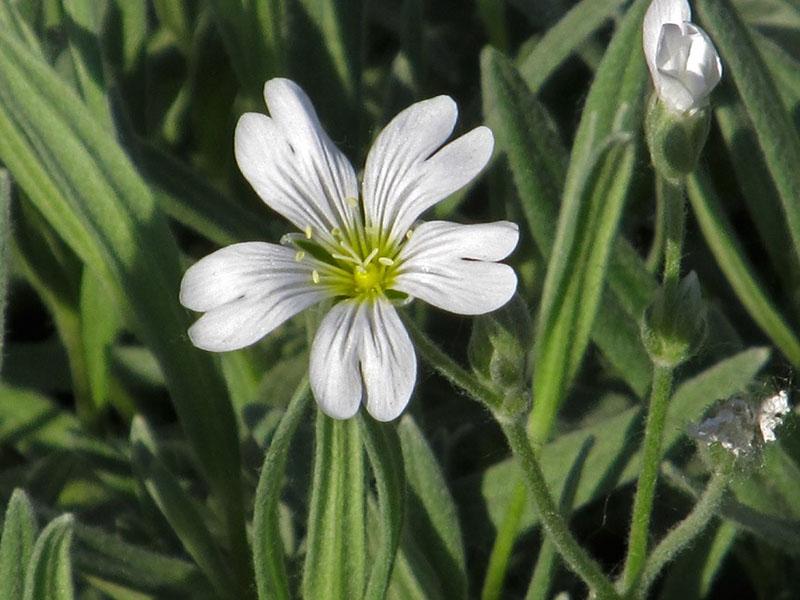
{"x":299,"y":256}
{"x":370,"y":256}
{"x":409,"y":233}
{"x":315,"y":276}
{"x":385,"y":261}
{"x":308,"y":231}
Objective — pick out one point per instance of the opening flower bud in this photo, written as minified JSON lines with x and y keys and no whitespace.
{"x":674,"y":325}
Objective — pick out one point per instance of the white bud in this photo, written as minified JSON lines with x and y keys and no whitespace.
{"x":683,"y":62}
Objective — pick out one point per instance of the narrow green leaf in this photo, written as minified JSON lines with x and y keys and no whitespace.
{"x":125,"y":33}
{"x":83,"y":19}
{"x":526,"y":132}
{"x":268,"y":553}
{"x":49,"y":574}
{"x":82,"y":182}
{"x":613,"y":460}
{"x":386,"y":458}
{"x":174,"y":16}
{"x":254,"y":36}
{"x":538,"y":161}
{"x":5,"y":234}
{"x":329,"y":34}
{"x":573,"y":286}
{"x":777,"y":137}
{"x":335,"y":564}
{"x":180,"y":511}
{"x":100,"y":325}
{"x":16,"y":545}
{"x":14,"y":23}
{"x":105,"y":555}
{"x":614,"y":106}
{"x":194,"y":202}
{"x":54,"y":271}
{"x":431,"y":515}
{"x":564,"y":38}
{"x":758,"y":190}
{"x":718,"y":233}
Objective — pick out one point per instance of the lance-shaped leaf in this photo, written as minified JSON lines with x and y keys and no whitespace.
{"x":564,"y":38}
{"x":268,"y":552}
{"x":573,"y":286}
{"x":526,"y":133}
{"x":16,"y":545}
{"x":84,"y":185}
{"x":49,"y":572}
{"x":179,"y":509}
{"x":777,"y":136}
{"x":718,"y":233}
{"x":336,"y":560}
{"x":595,"y":190}
{"x":431,"y":515}
{"x":5,"y":233}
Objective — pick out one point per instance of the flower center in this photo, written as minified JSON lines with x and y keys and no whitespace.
{"x":357,"y":266}
{"x":368,"y":278}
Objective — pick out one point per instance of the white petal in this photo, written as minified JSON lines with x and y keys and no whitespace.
{"x":403,"y":177}
{"x":292,"y":163}
{"x":659,"y":13}
{"x":688,"y":66}
{"x":238,"y":270}
{"x":246,"y":291}
{"x":333,"y":368}
{"x":388,"y":363}
{"x":445,"y":264}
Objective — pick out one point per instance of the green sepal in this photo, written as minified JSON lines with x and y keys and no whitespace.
{"x":499,"y":346}
{"x":675,"y":140}
{"x":674,"y":325}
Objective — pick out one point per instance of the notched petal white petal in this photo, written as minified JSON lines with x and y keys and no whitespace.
{"x":244,"y":321}
{"x":388,"y":363}
{"x":409,"y":138}
{"x":246,"y":291}
{"x":333,"y":370}
{"x":405,"y":175}
{"x":292,"y":163}
{"x":450,"y":266}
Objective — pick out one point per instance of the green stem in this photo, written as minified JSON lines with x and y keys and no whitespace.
{"x":656,"y":254}
{"x":645,"y":488}
{"x":674,"y":206}
{"x":573,"y":554}
{"x":552,"y":522}
{"x":688,"y":529}
{"x":451,"y":370}
{"x":504,"y":544}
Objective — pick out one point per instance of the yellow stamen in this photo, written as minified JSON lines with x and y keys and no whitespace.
{"x":315,"y":276}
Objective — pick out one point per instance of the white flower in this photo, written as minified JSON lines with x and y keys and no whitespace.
{"x":366,"y":252}
{"x":683,"y":62}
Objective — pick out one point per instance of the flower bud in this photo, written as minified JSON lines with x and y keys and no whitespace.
{"x":674,"y":325}
{"x":498,"y":348}
{"x":683,"y":62}
{"x":675,"y":140}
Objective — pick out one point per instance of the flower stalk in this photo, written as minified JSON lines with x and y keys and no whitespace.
{"x":513,"y":427}
{"x":687,"y":530}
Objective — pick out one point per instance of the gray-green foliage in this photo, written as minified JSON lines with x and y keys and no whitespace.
{"x":185,"y":474}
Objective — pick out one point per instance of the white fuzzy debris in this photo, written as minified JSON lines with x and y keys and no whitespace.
{"x":740,"y":426}
{"x":771,"y":414}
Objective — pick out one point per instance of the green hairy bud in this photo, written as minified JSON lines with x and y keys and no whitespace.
{"x":675,"y":139}
{"x":498,"y":348}
{"x":674,"y":325}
